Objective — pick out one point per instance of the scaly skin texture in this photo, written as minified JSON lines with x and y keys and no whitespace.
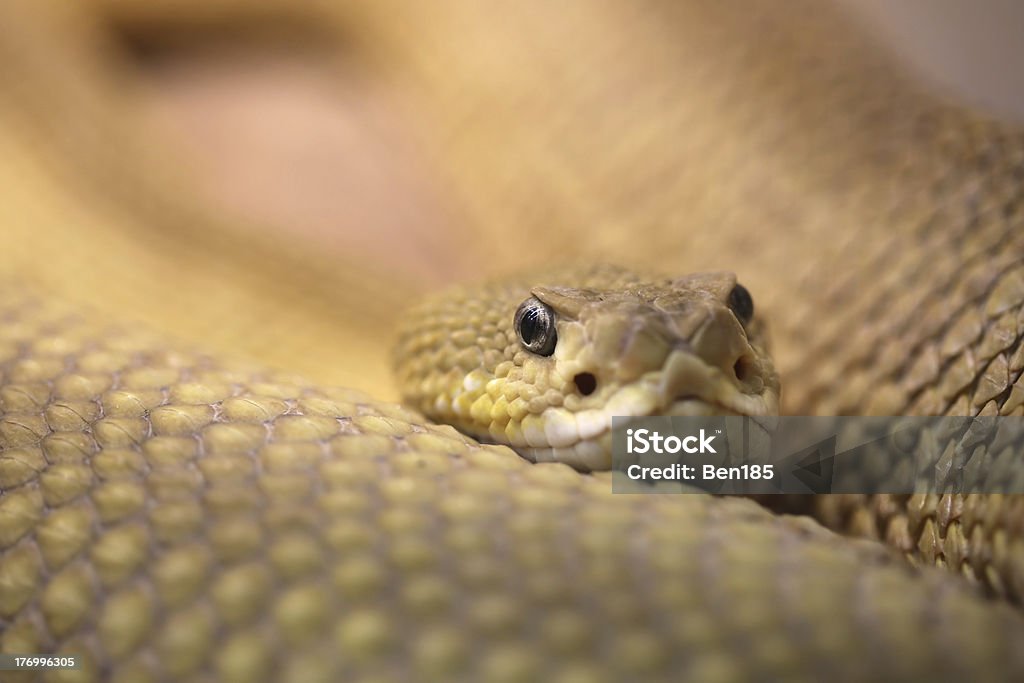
{"x":157,"y":504}
{"x":168,"y":517}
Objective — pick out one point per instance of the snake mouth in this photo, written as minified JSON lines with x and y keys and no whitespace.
{"x":593,"y":450}
{"x":685,"y":385}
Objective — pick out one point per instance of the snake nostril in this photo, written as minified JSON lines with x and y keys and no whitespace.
{"x":743,"y":368}
{"x":586,"y":383}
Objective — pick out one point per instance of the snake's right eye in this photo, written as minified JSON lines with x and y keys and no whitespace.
{"x":535,"y":326}
{"x":742,"y":304}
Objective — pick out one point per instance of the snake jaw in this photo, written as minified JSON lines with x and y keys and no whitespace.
{"x":686,"y":385}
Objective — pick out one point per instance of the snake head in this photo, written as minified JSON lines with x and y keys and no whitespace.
{"x":544,"y":367}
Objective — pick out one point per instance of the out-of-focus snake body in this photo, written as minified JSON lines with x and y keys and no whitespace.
{"x":169,"y":515}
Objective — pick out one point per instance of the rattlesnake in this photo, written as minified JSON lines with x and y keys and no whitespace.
{"x":173,"y":515}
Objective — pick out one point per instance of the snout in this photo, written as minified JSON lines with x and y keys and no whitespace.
{"x":716,"y":363}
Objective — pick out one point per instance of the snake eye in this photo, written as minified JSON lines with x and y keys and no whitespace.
{"x":535,"y":325}
{"x":741,"y":304}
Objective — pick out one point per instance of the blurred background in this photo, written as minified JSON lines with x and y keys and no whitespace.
{"x":277,"y":180}
{"x":274,"y":132}
{"x":972,"y":50}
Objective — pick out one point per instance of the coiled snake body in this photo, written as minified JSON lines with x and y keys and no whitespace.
{"x":172,"y":516}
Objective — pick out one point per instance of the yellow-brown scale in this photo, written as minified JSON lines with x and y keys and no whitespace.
{"x":169,"y":517}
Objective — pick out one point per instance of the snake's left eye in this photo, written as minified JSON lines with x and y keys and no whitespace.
{"x":741,"y":303}
{"x":535,"y":326}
